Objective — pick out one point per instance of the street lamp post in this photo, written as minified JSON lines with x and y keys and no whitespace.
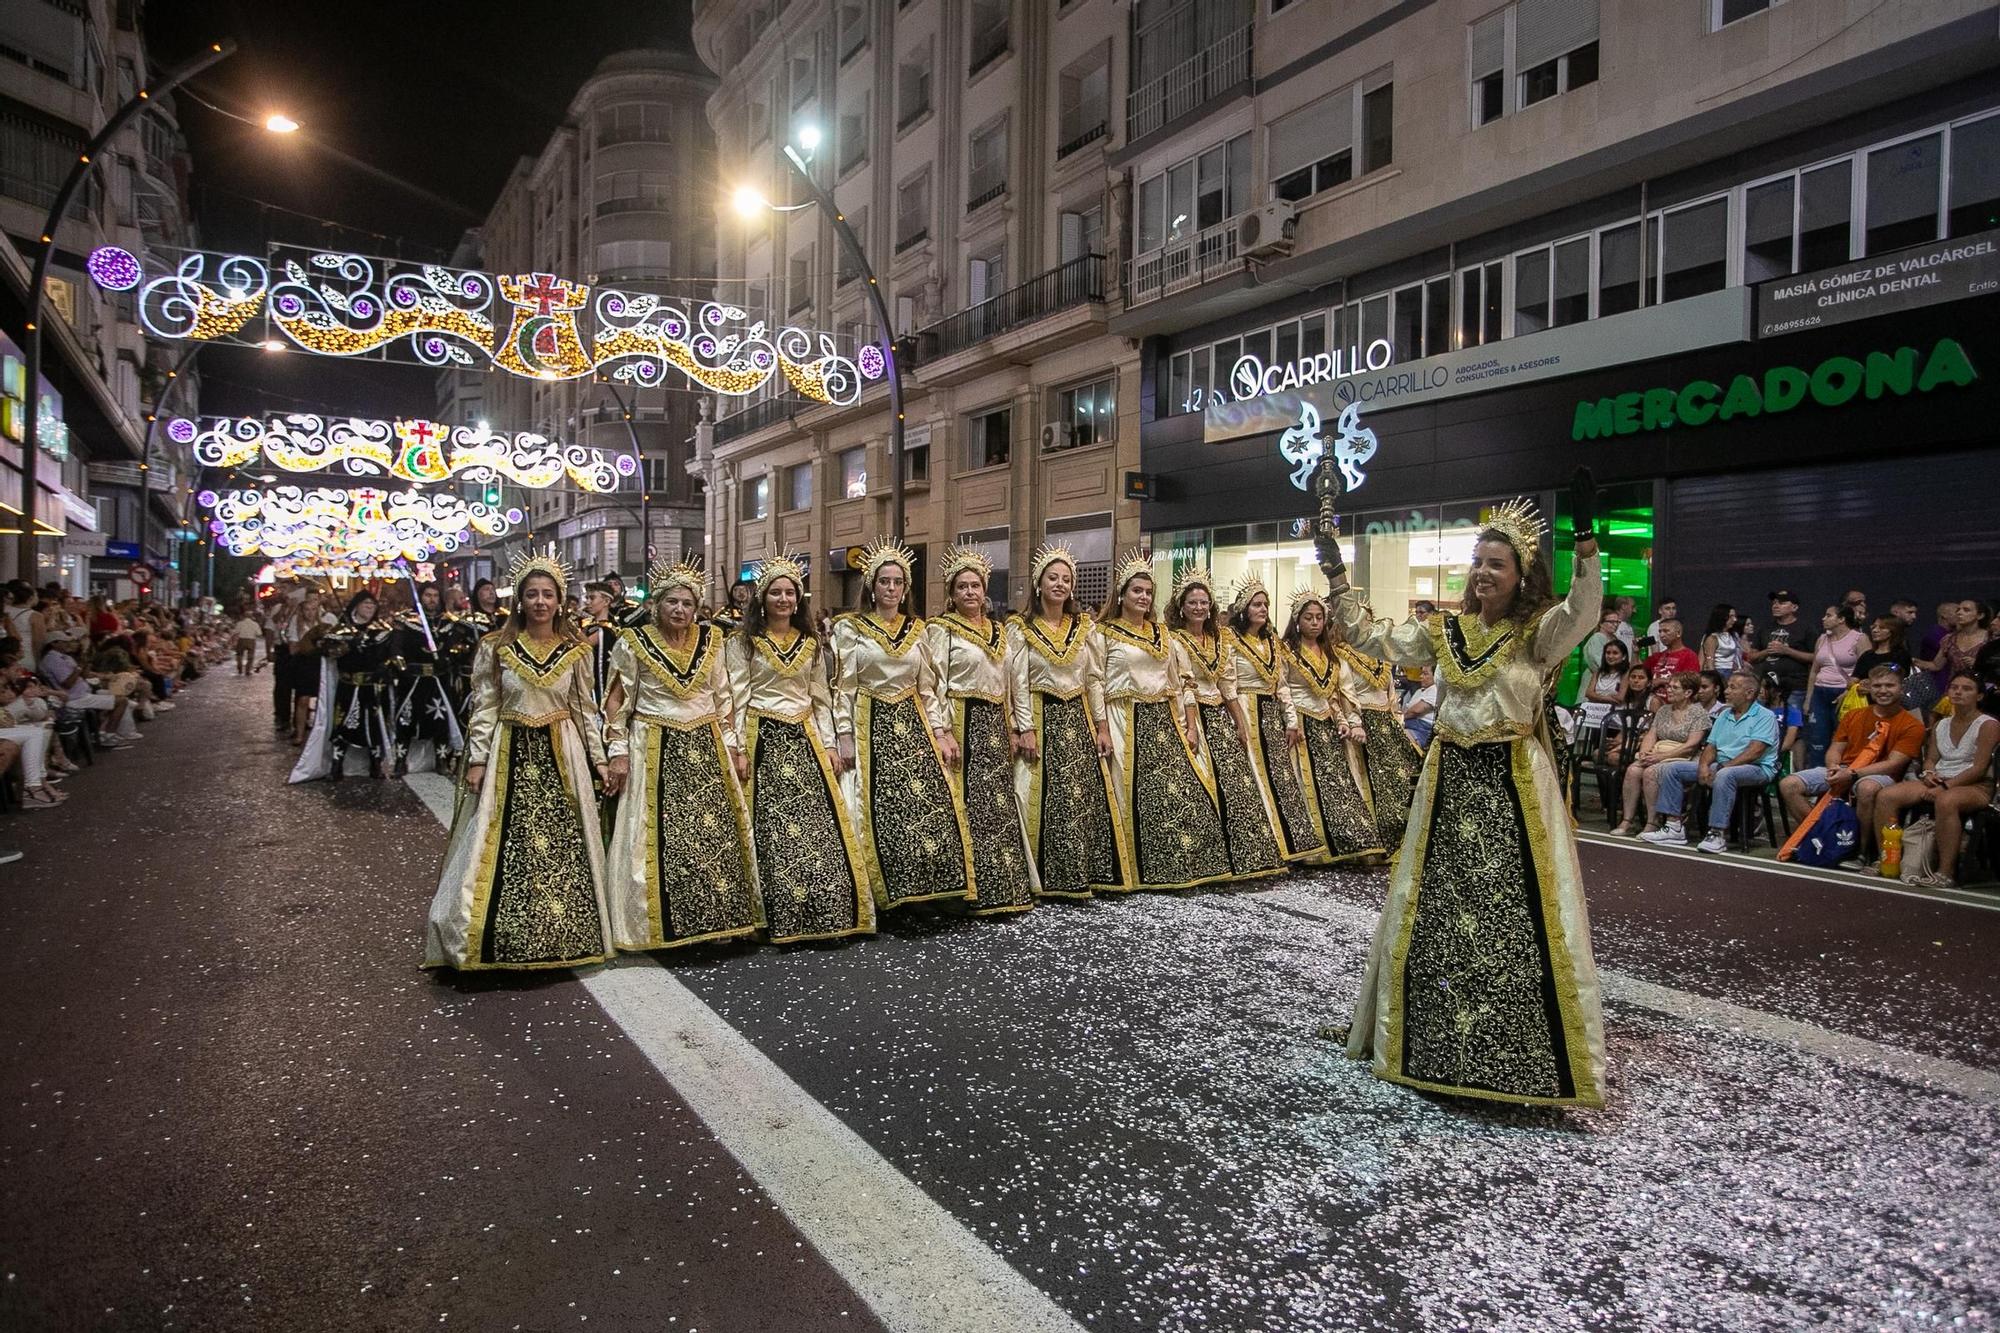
{"x":146,"y":446}
{"x":31,"y":343}
{"x":748,"y":201}
{"x":645,"y":492}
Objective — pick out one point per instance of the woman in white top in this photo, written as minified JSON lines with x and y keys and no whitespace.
{"x":1721,"y":649}
{"x":1957,"y":777}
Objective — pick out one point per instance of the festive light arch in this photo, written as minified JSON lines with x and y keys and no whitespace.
{"x":534,"y":325}
{"x":361,"y":524}
{"x":412,"y":449}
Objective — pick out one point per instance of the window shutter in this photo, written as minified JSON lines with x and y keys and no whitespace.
{"x":1545,"y":29}
{"x":976,"y":293}
{"x":1072,"y":236}
{"x":1311,"y":133}
{"x":1489,"y":45}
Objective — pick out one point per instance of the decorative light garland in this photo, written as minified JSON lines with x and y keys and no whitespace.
{"x":338,"y":304}
{"x":365,"y":523}
{"x":412,"y":449}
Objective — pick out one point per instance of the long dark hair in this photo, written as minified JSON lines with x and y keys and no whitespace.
{"x":1535,"y":593}
{"x":756,"y":621}
{"x":1071,"y":607}
{"x":1624,"y":653}
{"x":1719,"y":617}
{"x":1293,"y":638}
{"x":1177,"y":611}
{"x":1114,"y":606}
{"x":1239,"y":619}
{"x":563,"y":624}
{"x":1895,"y":629}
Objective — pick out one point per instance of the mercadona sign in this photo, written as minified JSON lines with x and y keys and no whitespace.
{"x":1834,"y":382}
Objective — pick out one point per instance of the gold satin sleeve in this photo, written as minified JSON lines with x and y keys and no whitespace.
{"x":485,"y":711}
{"x":1019,"y":705}
{"x":621,"y":698}
{"x":1407,"y":644}
{"x":584,"y":714}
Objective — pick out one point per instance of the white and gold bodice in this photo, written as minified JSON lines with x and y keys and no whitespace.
{"x":970,"y":659}
{"x":1260,"y":669}
{"x":1368,"y":683}
{"x":652,"y":682}
{"x":516,"y":682}
{"x":1209,"y":670}
{"x":883,"y":660}
{"x":778,"y":676}
{"x":1061,"y":660}
{"x":1140,"y":662}
{"x":1313,"y":683}
{"x":1491,"y":679}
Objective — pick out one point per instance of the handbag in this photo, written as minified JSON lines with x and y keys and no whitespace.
{"x":1920,"y":847}
{"x":1831,"y":838}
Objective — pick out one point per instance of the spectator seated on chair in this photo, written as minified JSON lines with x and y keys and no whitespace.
{"x":62,"y":672}
{"x":1956,"y":778}
{"x":1901,"y":740}
{"x":1420,"y":711}
{"x":1603,"y":691}
{"x":1607,"y":629}
{"x":1741,"y":753}
{"x":1708,"y":687}
{"x":1679,"y":727}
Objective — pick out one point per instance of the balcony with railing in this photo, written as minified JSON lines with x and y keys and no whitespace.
{"x":754,"y":418}
{"x":1185,"y":59}
{"x":1187,"y":262}
{"x":1079,"y":282}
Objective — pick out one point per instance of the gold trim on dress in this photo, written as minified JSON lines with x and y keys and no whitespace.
{"x":1156,"y":646}
{"x":679,"y":674}
{"x":896,"y":642}
{"x":1076,"y":632}
{"x":993,"y":641}
{"x":787,"y":659}
{"x":542,"y":673}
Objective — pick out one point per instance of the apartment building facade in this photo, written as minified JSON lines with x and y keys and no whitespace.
{"x":1738,"y":256}
{"x":103,"y":504}
{"x":969,"y":144}
{"x":608,"y":201}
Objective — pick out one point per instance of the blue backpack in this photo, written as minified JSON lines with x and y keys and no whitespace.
{"x":1834,"y":836}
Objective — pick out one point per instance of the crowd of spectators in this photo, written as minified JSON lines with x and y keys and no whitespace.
{"x":78,"y":677}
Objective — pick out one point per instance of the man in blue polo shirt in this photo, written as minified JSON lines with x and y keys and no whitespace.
{"x":1741,"y":754}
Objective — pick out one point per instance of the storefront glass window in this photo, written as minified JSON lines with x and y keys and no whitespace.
{"x":1975,"y":176}
{"x":1903,"y":194}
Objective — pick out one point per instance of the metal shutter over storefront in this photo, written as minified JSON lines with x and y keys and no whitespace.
{"x":1921,"y":528}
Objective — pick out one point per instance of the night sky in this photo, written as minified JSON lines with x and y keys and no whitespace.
{"x":444,"y":97}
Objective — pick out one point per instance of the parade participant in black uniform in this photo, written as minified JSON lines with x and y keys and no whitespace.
{"x":424,"y":709}
{"x":459,"y":640}
{"x":600,"y":631}
{"x":355,"y":682}
{"x":624,"y":612}
{"x":730,"y":616}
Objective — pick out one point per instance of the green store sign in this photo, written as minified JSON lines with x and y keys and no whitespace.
{"x":1834,"y":382}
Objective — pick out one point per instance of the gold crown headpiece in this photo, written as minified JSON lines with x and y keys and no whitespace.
{"x":1135,"y":563}
{"x":1194,"y":576}
{"x":1304,"y":594}
{"x":1522,"y":526}
{"x":544,"y":561}
{"x":888,"y":551}
{"x":682,"y":573}
{"x":779,"y":567}
{"x":1247,"y":587}
{"x":1051,"y":553}
{"x":958,"y":559}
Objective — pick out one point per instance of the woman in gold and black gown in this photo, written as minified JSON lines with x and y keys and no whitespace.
{"x":523,"y":879}
{"x":1206,"y":658}
{"x":1391,"y":759}
{"x":1271,"y":722}
{"x":1331,"y":768}
{"x":968,"y":649}
{"x":1480,"y":982}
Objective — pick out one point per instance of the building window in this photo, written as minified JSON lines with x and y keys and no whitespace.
{"x":1903,"y":188}
{"x":1378,"y":132}
{"x":634,"y":122}
{"x":913,"y":88}
{"x":626,"y":261}
{"x":1315,"y":147}
{"x":1420,"y":322}
{"x":1548,"y":46}
{"x":1194,"y":195}
{"x":1722,"y":13}
{"x":1694,"y":250}
{"x":1975,"y":176}
{"x":987,"y":442}
{"x":1767,"y":230}
{"x":1091,"y":413}
{"x":755,"y":500}
{"x":854,"y":135}
{"x":804,"y":83}
{"x":630,"y":192}
{"x":987,"y":158}
{"x":989,"y":32}
{"x":913,"y":210}
{"x":854,"y":473}
{"x":799,"y":487}
{"x":757,"y":122}
{"x":986,"y":275}
{"x":1085,"y":112}
{"x":853,"y":27}
{"x":1618,"y":288}
{"x":847,"y":270}
{"x":799,"y":282}
{"x":1480,"y":304}
{"x":917,"y":461}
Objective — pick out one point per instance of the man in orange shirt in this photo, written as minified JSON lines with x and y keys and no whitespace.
{"x":1902,"y":740}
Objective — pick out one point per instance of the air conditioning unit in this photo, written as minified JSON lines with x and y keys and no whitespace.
{"x":1058,"y":435}
{"x":1266,"y":230}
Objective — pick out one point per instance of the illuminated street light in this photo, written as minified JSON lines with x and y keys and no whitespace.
{"x":749,"y":201}
{"x":809,"y":138}
{"x":280,"y":123}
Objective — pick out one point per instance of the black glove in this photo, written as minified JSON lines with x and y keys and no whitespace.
{"x":1583,"y":506}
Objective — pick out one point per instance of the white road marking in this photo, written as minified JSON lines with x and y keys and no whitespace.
{"x":915,"y":1265}
{"x":1934,"y":1071}
{"x":1835,"y":878}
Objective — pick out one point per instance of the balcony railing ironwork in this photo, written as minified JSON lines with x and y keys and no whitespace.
{"x":1078,"y":282}
{"x":754,"y":418}
{"x":1218,"y":60}
{"x":1185,"y":263}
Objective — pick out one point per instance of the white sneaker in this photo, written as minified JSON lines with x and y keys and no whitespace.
{"x":1670,"y":834}
{"x":1716,"y":841}
{"x":164,"y":706}
{"x":112,"y":743}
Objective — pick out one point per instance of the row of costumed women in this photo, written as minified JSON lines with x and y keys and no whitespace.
{"x":770,"y":784}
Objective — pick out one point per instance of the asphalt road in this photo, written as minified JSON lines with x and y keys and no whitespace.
{"x":235,"y":1102}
